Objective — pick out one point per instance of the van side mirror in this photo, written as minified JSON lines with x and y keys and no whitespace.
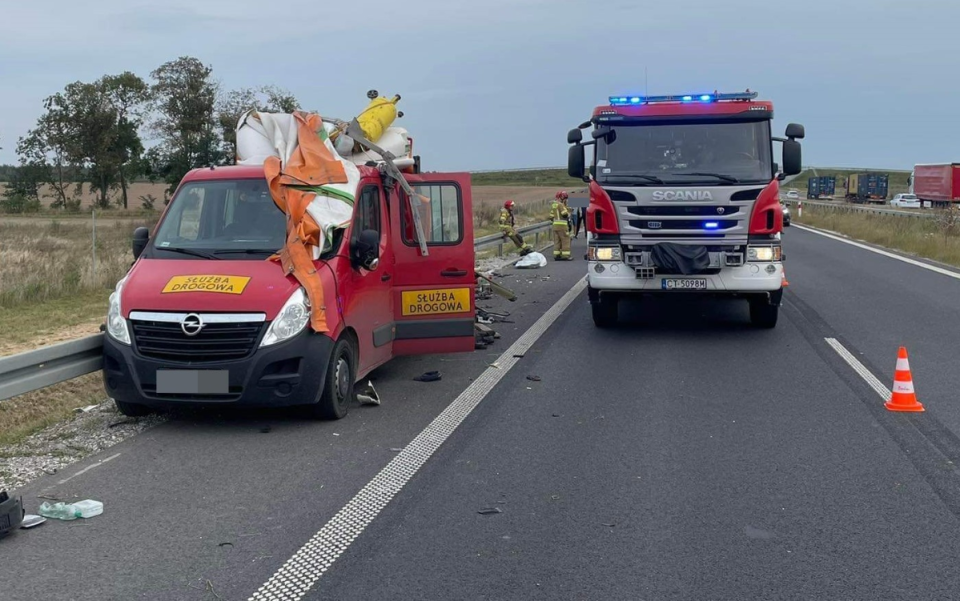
{"x":792,"y":164}
{"x":795,"y":131}
{"x":575,"y":159}
{"x":366,"y":250}
{"x":141,"y":236}
{"x":574,"y":136}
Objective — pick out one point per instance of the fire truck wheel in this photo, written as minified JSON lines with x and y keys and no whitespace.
{"x":132,"y":409}
{"x":337,"y":392}
{"x":763,"y":314}
{"x":605,"y":311}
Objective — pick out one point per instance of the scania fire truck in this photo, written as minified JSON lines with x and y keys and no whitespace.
{"x":684,"y":198}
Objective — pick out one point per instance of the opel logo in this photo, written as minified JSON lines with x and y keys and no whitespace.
{"x":191,"y":324}
{"x":721,"y":210}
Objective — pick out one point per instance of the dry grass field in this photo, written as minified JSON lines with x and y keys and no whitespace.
{"x":134,"y":192}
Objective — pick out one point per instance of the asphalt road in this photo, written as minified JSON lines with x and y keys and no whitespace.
{"x":684,"y":455}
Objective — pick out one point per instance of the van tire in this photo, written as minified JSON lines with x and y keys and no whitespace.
{"x":764,"y":315}
{"x":338,"y":386}
{"x":132,"y":409}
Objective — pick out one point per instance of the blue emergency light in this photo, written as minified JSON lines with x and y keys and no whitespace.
{"x":635,"y":100}
{"x":711,"y":225}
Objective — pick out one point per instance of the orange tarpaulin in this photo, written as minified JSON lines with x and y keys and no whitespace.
{"x":310,"y":164}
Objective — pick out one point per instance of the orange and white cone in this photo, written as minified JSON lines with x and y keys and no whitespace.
{"x":903,"y":398}
{"x":783,"y":278}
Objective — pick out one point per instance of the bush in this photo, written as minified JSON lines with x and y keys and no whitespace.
{"x":148,"y":202}
{"x":17,"y":203}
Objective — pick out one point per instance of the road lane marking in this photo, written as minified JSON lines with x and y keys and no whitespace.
{"x":926,"y":266}
{"x":860,"y":368}
{"x":298,"y":575}
{"x":88,"y":468}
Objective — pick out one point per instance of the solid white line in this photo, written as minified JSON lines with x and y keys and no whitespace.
{"x":88,"y":468}
{"x":295,"y":577}
{"x":858,"y":367}
{"x":926,"y":266}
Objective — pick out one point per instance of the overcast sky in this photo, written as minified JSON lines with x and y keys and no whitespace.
{"x":490,"y":84}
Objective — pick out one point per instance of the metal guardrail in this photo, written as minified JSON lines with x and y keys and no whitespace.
{"x":842,"y":206}
{"x":34,"y":370}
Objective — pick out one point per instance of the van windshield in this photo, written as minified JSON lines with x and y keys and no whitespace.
{"x":223,"y":217}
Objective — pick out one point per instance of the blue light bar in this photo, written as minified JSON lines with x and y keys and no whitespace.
{"x":634,"y":100}
{"x":711,"y":225}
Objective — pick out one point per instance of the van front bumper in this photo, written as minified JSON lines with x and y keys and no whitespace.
{"x":288,"y":373}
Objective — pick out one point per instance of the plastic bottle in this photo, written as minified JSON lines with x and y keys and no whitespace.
{"x":81,"y":509}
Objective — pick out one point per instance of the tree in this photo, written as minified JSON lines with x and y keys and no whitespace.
{"x":44,"y":149}
{"x":93,"y":136}
{"x":128,"y":95}
{"x":232,"y":105}
{"x":185,"y":97}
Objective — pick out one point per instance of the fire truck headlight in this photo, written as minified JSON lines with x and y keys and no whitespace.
{"x":604,"y":253}
{"x":291,"y":320}
{"x":116,"y":324}
{"x":763,"y":253}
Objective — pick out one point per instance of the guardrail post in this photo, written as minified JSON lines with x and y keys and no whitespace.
{"x":500,"y":249}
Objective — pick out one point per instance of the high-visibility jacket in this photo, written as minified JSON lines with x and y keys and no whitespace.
{"x":507,"y":219}
{"x":559,"y":213}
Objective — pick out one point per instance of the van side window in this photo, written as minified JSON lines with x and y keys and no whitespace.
{"x":441,"y":217}
{"x":368,"y":210}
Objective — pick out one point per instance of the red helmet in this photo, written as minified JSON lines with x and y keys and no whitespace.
{"x":509,"y":204}
{"x":562,"y":195}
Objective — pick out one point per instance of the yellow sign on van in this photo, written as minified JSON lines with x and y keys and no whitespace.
{"x":436,"y":302}
{"x":218,"y":284}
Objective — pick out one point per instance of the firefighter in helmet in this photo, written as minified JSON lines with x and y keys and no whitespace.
{"x":508,"y":224}
{"x":559,"y":217}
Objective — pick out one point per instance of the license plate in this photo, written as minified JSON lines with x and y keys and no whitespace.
{"x":684,"y":284}
{"x":193,"y":381}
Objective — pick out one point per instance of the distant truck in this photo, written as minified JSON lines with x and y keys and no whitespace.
{"x":824,"y":186}
{"x":867,"y":187}
{"x":938,"y":184}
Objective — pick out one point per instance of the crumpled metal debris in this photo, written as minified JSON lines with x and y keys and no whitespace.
{"x":368,"y":395}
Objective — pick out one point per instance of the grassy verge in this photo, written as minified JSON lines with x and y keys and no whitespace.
{"x":527,"y":177}
{"x":927,"y":238}
{"x":29,"y":413}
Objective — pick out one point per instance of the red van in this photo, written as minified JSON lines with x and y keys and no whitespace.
{"x":203,"y":317}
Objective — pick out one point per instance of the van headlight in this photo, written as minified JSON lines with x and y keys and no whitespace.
{"x":116,"y":324}
{"x":291,"y":320}
{"x":764,"y":253}
{"x":604,"y":253}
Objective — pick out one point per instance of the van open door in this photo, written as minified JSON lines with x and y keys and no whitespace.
{"x":434,"y":294}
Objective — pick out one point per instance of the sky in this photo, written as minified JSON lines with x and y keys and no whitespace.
{"x":496,"y":84}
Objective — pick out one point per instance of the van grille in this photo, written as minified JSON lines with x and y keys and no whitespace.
{"x":216,"y":341}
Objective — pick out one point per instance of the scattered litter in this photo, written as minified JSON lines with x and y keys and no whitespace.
{"x":335,"y":434}
{"x":494,"y":365}
{"x":368,"y":395}
{"x":225,"y":545}
{"x":490,"y":510}
{"x":265,"y":430}
{"x":122,"y":423}
{"x":532,"y":260}
{"x":609,"y":525}
{"x":555,"y":497}
{"x":86,"y":409}
{"x":430,"y":376}
{"x":533,"y":378}
{"x":518,"y":356}
{"x":396,"y":450}
{"x":30,"y":520}
{"x":556,"y":415}
{"x":63,"y":511}
{"x":11,"y":513}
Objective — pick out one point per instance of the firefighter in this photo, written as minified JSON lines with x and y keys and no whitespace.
{"x":559,"y":217}
{"x":508,"y":224}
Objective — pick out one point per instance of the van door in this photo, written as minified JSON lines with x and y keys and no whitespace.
{"x":369,"y":304}
{"x":434,"y":305}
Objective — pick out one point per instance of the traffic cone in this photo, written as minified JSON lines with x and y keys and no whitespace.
{"x":903,"y":397}
{"x":783,"y":277}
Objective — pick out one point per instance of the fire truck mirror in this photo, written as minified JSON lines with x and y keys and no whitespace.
{"x":795,"y":131}
{"x":141,"y":236}
{"x":366,"y":250}
{"x":575,"y":161}
{"x":609,"y":135}
{"x":792,"y":164}
{"x":574,"y":136}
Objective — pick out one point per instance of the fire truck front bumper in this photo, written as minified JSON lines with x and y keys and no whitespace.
{"x":750,"y":278}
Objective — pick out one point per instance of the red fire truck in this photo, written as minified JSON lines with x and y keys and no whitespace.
{"x":205,"y":317}
{"x":684,"y":198}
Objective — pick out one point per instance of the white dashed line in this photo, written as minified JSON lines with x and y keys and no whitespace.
{"x":295,"y":578}
{"x":858,"y":367}
{"x":88,"y":468}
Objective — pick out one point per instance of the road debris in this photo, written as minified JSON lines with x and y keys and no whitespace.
{"x":534,"y":378}
{"x":368,"y":395}
{"x":86,"y":409}
{"x":430,"y":376}
{"x":11,"y":513}
{"x":532,"y":260}
{"x":31,"y":521}
{"x":70,"y":511}
{"x":490,"y":510}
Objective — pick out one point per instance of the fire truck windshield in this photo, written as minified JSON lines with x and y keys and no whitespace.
{"x":235,"y":219}
{"x":677,"y":153}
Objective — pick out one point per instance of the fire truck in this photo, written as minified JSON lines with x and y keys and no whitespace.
{"x":205,"y":317}
{"x":684,"y":198}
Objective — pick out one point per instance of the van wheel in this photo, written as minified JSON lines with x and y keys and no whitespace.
{"x":132,"y":409}
{"x":763,"y":314}
{"x":338,"y":386}
{"x":606,"y":311}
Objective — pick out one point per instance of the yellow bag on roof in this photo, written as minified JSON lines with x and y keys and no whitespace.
{"x":378,"y":116}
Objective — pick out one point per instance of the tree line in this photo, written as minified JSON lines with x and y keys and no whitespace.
{"x":93,"y":133}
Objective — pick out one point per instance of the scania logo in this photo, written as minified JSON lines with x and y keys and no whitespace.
{"x":682,"y":195}
{"x":654,"y":225}
{"x":721,"y":210}
{"x":191,"y":324}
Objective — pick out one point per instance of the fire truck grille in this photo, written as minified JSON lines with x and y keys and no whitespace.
{"x":216,"y":341}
